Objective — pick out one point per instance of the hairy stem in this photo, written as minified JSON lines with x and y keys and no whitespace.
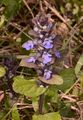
{"x":41,"y":101}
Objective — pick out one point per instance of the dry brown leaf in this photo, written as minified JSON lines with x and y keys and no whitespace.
{"x":1,"y":95}
{"x":61,"y":29}
{"x":25,"y":64}
{"x":55,"y":80}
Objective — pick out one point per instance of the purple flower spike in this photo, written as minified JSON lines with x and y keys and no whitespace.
{"x":58,"y":54}
{"x":48,"y":44}
{"x":46,"y":57}
{"x":28,"y":45}
{"x":47,"y":74}
{"x":31,"y":59}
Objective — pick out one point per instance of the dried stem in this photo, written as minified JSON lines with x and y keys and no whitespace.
{"x":28,"y":8}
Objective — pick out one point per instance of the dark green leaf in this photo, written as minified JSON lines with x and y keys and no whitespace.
{"x":68,"y":76}
{"x":2,"y":114}
{"x":52,"y":92}
{"x":12,"y":7}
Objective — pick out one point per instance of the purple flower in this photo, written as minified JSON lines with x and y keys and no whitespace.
{"x":47,"y":74}
{"x":36,"y":29}
{"x":50,"y":25}
{"x":31,"y":59}
{"x":47,"y":44}
{"x":58,"y":54}
{"x":46,"y":57}
{"x":41,"y":36}
{"x":28,"y":45}
{"x":35,"y":41}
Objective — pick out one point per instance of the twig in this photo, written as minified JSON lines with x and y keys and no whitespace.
{"x":67,"y":97}
{"x":60,"y":17}
{"x":76,"y":109}
{"x":15,"y":26}
{"x":55,"y":12}
{"x":23,"y":107}
{"x":20,"y":32}
{"x":80,"y":105}
{"x":72,"y":87}
{"x":28,"y":8}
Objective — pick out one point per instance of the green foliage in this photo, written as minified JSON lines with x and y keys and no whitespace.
{"x":11,"y":7}
{"x":15,"y":114}
{"x":1,"y":1}
{"x":80,"y":77}
{"x":35,"y":104}
{"x":79,"y":65}
{"x":2,"y":20}
{"x":2,"y":71}
{"x":2,"y":114}
{"x":27,"y":87}
{"x":68,"y":76}
{"x":65,"y":109}
{"x":76,"y":9}
{"x":48,"y":116}
{"x":52,"y":93}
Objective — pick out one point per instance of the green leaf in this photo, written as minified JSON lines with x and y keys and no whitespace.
{"x":76,"y":9}
{"x":2,"y":114}
{"x":81,"y":79}
{"x":48,"y":116}
{"x":27,"y":87}
{"x":2,"y":20}
{"x":55,"y":80}
{"x":2,"y":71}
{"x":65,"y":109}
{"x":35,"y":103}
{"x":79,"y":65}
{"x":12,"y":7}
{"x":15,"y":114}
{"x":68,"y":76}
{"x":62,"y":9}
{"x":52,"y":92}
{"x":1,"y":1}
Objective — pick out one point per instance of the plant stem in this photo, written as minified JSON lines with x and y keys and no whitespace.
{"x":41,"y":100}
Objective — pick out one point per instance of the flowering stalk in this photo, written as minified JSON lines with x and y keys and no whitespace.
{"x":44,"y":46}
